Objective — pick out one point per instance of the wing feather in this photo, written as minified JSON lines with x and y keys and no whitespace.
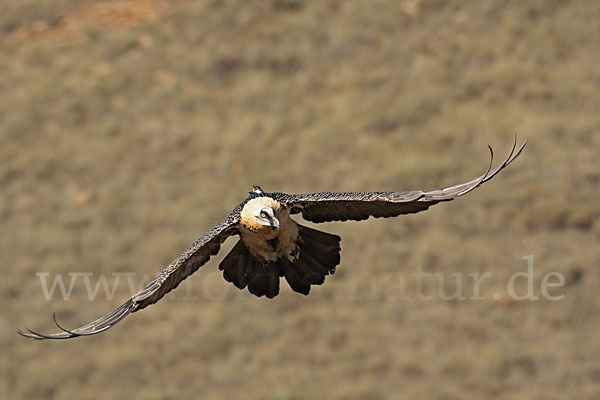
{"x":357,"y":206}
{"x":182,"y":267}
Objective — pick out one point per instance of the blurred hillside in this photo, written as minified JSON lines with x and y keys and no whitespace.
{"x":129,"y":128}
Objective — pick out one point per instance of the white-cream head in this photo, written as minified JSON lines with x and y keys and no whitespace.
{"x":260,"y":215}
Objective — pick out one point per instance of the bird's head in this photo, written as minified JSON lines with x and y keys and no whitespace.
{"x":260,"y":215}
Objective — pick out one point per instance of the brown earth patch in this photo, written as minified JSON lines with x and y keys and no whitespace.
{"x":77,"y":23}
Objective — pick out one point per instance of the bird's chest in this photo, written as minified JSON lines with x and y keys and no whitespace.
{"x":271,"y":248}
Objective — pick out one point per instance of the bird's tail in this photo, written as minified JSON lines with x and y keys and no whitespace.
{"x":318,"y":255}
{"x":241,"y":269}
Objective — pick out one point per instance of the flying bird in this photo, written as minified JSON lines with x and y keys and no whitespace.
{"x":272,"y":245}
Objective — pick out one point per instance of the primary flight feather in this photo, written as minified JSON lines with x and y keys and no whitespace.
{"x":272,"y":245}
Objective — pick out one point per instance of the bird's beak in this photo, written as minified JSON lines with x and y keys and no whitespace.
{"x":274,"y":223}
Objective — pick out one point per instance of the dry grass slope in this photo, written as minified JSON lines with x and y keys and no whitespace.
{"x":128,"y":128}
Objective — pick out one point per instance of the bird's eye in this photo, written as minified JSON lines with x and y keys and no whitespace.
{"x":263,"y":214}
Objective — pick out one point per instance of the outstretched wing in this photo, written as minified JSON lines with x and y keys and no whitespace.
{"x":182,"y":267}
{"x":357,"y":206}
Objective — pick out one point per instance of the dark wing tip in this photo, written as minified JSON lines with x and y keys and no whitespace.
{"x":97,"y":326}
{"x":40,"y":336}
{"x":514,"y":153}
{"x":452,"y":192}
{"x":483,"y":177}
{"x":30,"y":334}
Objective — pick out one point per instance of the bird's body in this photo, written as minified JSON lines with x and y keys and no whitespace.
{"x":272,"y":245}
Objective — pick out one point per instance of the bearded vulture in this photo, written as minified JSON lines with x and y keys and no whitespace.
{"x":272,"y":245}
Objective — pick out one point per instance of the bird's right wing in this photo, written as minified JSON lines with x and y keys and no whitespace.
{"x":182,"y":267}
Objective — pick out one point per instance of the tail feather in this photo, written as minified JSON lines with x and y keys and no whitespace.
{"x":323,"y":260}
{"x":296,"y":277}
{"x":310,"y":264}
{"x":263,"y":280}
{"x":241,"y":269}
{"x":309,"y":272}
{"x":235,"y":265}
{"x":319,"y":254}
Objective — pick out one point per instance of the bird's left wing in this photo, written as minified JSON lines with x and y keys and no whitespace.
{"x":182,"y":267}
{"x":357,"y":206}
